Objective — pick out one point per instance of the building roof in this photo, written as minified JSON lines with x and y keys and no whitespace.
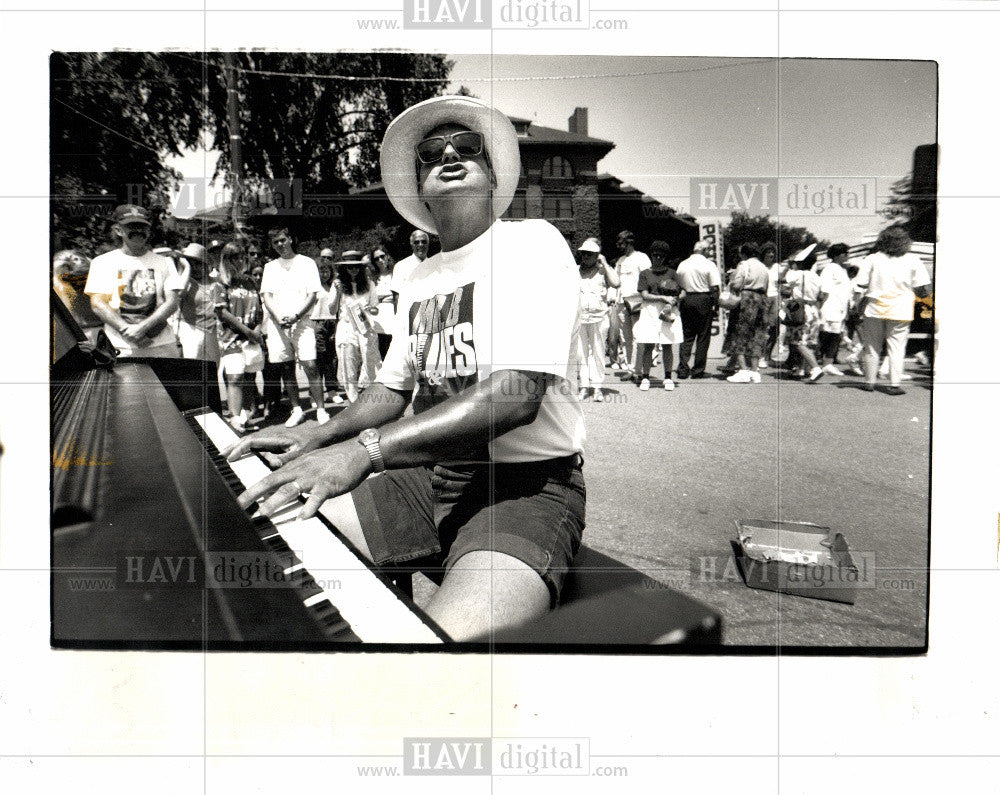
{"x":610,"y":183}
{"x":536,"y":134}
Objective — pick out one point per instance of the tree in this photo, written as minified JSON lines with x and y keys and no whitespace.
{"x":316,"y":118}
{"x":319,"y":118}
{"x":744,"y":228}
{"x":114,"y":117}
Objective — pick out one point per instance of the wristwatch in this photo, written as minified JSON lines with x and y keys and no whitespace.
{"x":369,"y":439}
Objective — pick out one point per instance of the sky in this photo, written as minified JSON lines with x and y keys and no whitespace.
{"x":676,"y":118}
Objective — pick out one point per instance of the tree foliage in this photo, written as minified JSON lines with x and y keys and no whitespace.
{"x":117,"y":116}
{"x":745,"y":228}
{"x":114,"y":117}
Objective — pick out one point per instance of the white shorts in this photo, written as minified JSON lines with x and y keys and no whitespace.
{"x":248,"y":358}
{"x":295,"y":344}
{"x":198,"y":343}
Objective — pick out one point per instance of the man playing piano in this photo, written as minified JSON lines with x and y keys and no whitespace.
{"x":484,"y":481}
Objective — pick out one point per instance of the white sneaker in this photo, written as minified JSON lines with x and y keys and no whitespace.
{"x":237,"y":424}
{"x":598,"y":396}
{"x":754,"y":376}
{"x":905,"y":377}
{"x":295,"y":418}
{"x":338,"y":399}
{"x":741,"y":377}
{"x":855,"y":369}
{"x":815,"y":374}
{"x":669,"y":385}
{"x":322,"y":417}
{"x":644,"y":385}
{"x":832,"y":369}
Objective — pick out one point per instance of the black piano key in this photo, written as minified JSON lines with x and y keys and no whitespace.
{"x":333,"y":622}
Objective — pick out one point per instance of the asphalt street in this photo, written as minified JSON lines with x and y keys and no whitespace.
{"x":669,"y":473}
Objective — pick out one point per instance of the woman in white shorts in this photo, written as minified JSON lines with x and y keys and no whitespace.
{"x":358,"y":358}
{"x":238,"y":307}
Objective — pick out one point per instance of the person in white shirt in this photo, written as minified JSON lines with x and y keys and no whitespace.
{"x":699,"y":278}
{"x":834,"y":300}
{"x":419,"y":244}
{"x":134,"y":291}
{"x":289,"y":290}
{"x":627,"y":301}
{"x":596,"y":278}
{"x":892,"y":278}
{"x":489,"y":370}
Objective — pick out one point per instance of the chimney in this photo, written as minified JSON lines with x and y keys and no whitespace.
{"x":578,"y":121}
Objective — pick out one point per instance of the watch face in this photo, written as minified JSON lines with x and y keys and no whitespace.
{"x":368,"y":436}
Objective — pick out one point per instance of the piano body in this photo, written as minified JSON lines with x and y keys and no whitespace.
{"x":150,"y":549}
{"x":149,"y":546}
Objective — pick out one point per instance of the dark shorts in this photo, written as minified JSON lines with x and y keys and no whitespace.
{"x":424,"y":520}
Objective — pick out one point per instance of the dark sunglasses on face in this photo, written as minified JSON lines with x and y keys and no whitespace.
{"x":466,"y":143}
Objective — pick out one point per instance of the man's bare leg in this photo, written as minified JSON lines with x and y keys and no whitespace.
{"x":487,"y":591}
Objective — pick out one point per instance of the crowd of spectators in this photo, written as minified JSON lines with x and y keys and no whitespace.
{"x":332,"y":320}
{"x":798,"y":315}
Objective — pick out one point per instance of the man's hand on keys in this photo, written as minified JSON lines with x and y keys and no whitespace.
{"x":321,"y":474}
{"x":278,"y":445}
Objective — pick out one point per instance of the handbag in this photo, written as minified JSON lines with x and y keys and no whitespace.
{"x":633,"y":302}
{"x":728,"y":299}
{"x":669,"y":312}
{"x":795,"y":313}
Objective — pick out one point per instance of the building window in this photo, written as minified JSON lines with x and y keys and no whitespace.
{"x":555,"y":205}
{"x":518,"y":207}
{"x":557,"y":168}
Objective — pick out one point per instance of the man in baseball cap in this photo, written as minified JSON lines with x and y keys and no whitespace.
{"x":482,"y":350}
{"x":134,"y":291}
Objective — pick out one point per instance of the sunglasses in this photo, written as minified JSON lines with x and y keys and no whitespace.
{"x":466,"y":143}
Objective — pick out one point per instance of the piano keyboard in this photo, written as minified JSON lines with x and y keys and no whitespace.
{"x":338,"y":586}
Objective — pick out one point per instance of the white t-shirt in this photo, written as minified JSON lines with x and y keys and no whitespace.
{"x":290,"y":282}
{"x":136,"y":286}
{"x":835,"y":282}
{"x":628,"y":268}
{"x":505,"y":301}
{"x":891,"y":282}
{"x":698,"y":274}
{"x":402,"y":272}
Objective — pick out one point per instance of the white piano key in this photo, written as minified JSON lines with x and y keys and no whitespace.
{"x":374,"y":612}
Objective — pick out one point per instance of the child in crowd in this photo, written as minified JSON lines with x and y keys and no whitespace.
{"x":237,"y":305}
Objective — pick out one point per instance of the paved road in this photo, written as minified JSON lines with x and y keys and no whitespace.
{"x":668,"y":473}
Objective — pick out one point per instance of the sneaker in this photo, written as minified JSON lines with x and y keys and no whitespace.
{"x":868,"y":387}
{"x":741,"y":377}
{"x":598,"y":396}
{"x":237,"y":424}
{"x":894,"y":390}
{"x":644,"y":385}
{"x":905,"y":377}
{"x":583,"y":394}
{"x":615,"y":366}
{"x":922,"y":359}
{"x":754,"y":377}
{"x":338,"y":399}
{"x":855,"y":369}
{"x":295,"y":418}
{"x":815,"y":374}
{"x":832,"y":369}
{"x":322,"y":417}
{"x":668,"y":385}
